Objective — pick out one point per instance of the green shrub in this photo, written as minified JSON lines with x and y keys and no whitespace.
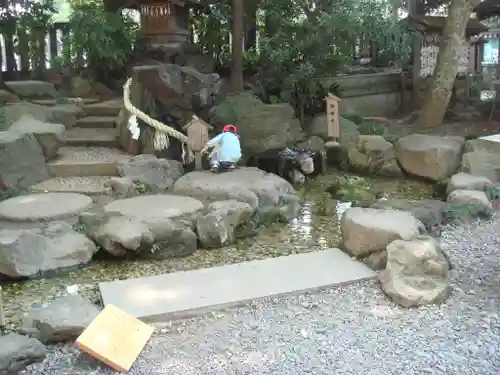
{"x":369,"y":128}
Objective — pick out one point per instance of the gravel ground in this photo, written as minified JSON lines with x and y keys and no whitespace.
{"x":347,"y":330}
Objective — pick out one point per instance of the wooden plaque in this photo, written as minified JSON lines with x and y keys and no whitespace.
{"x":332,"y":116}
{"x":115,"y":338}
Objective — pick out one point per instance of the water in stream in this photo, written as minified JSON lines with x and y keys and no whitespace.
{"x":317,"y":228}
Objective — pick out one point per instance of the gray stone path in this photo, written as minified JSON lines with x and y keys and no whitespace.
{"x":182,"y":294}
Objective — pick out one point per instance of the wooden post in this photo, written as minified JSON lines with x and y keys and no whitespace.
{"x":3,"y":323}
{"x":333,"y":116}
{"x":416,"y":52}
{"x":197,"y":132}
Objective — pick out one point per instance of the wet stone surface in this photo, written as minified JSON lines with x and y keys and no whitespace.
{"x":316,"y":228}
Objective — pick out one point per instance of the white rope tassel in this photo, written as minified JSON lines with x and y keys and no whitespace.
{"x":162,"y":132}
{"x":160,"y":141}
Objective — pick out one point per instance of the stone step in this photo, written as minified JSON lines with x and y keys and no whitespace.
{"x":43,"y":207}
{"x":92,"y":122}
{"x":107,"y":108}
{"x":88,"y":185}
{"x":185,"y":294}
{"x":51,"y":102}
{"x":90,"y":137}
{"x":86,"y":161}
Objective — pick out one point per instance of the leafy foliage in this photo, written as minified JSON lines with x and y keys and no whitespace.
{"x":368,"y":128}
{"x":211,"y":26}
{"x":105,"y":39}
{"x":306,"y":40}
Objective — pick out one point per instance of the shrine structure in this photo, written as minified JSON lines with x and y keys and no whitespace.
{"x":164,"y":23}
{"x":431,"y":29}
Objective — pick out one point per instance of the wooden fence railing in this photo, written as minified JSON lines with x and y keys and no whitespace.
{"x":29,"y":55}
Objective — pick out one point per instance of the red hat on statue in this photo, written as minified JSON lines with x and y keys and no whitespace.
{"x":230,"y":129}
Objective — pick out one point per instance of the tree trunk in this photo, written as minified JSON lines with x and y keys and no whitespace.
{"x":237,"y":48}
{"x":438,"y":97}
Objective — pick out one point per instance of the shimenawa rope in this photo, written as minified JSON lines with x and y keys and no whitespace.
{"x":162,"y":131}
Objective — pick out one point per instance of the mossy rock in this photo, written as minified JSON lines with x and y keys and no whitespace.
{"x":261,"y":127}
{"x":352,"y":189}
{"x":349,"y":132}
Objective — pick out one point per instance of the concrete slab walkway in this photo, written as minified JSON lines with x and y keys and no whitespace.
{"x":185,"y":294}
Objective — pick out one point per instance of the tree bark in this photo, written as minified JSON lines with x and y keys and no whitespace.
{"x":237,"y":46}
{"x":438,"y":97}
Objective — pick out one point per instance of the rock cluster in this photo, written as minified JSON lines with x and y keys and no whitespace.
{"x":62,"y":320}
{"x":198,"y":209}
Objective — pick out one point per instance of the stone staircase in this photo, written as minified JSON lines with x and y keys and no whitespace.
{"x":89,"y":155}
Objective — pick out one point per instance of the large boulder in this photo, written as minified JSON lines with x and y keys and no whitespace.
{"x":481,"y":163}
{"x":17,"y":352}
{"x":465,"y":181}
{"x":219,"y":227}
{"x":469,"y":203}
{"x":368,"y":230}
{"x":429,"y":156}
{"x":65,"y":114}
{"x":417,"y":272}
{"x":267,"y":194}
{"x":7,"y":97}
{"x":64,"y":319}
{"x":337,"y":152}
{"x":349,"y":133}
{"x":261,"y":127}
{"x":117,"y":234}
{"x":33,"y":89}
{"x":374,"y":155}
{"x":429,"y":212}
{"x":29,"y":252}
{"x":22,"y":162}
{"x":179,"y":88}
{"x":49,"y":135}
{"x":150,"y":226}
{"x":157,"y":175}
{"x":313,"y":143}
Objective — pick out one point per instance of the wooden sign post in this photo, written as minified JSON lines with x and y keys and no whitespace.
{"x":333,"y":116}
{"x":197,"y":132}
{"x":115,"y":338}
{"x":3,"y":323}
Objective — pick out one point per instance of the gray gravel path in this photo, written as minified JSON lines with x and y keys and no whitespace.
{"x":351,"y":330}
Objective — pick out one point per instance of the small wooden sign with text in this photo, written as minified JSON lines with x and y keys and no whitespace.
{"x":333,"y":116}
{"x":115,"y":338}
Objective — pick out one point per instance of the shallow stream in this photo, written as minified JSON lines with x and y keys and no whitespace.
{"x":317,"y":228}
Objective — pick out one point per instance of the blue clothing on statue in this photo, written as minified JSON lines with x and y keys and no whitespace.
{"x":228,"y":150}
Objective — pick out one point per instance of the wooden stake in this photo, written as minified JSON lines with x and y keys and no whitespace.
{"x":333,"y":116}
{"x":3,"y":323}
{"x":198,"y":161}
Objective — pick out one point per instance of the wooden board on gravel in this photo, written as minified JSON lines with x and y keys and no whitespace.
{"x":115,"y":338}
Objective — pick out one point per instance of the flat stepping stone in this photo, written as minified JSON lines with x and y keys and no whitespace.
{"x":91,"y":137}
{"x":107,"y":108}
{"x":151,"y":207}
{"x":185,"y":294}
{"x":44,"y":207}
{"x":88,"y":185}
{"x":86,"y":161}
{"x":96,"y":122}
{"x":53,"y":102}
